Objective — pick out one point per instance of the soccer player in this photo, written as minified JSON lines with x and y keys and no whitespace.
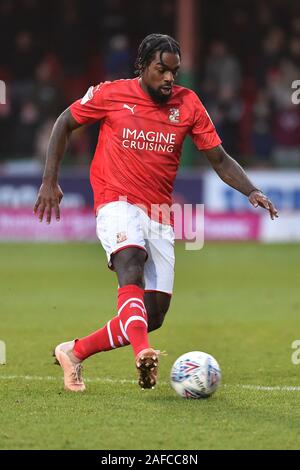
{"x":144,"y":122}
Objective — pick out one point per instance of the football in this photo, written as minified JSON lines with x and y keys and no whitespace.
{"x":195,"y":375}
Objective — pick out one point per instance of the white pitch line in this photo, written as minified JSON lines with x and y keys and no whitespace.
{"x":263,"y":388}
{"x":277,"y":388}
{"x":51,"y":378}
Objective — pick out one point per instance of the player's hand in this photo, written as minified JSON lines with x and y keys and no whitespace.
{"x":49,"y":198}
{"x":258,"y":198}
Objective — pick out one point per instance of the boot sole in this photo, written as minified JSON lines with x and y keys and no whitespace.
{"x":147,"y":369}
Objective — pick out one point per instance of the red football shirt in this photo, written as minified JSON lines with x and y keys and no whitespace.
{"x":140,"y":141}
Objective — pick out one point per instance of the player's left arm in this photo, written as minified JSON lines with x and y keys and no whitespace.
{"x":233,"y":174}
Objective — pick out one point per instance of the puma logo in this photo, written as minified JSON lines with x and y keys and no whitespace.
{"x":135,"y":305}
{"x":130,"y":108}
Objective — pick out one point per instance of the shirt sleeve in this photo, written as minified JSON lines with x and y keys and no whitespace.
{"x":92,"y":107}
{"x":203,"y":131}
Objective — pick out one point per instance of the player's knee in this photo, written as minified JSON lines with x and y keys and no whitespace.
{"x":155,"y":323}
{"x":129,"y":265}
{"x":156,"y":319}
{"x":134,"y":274}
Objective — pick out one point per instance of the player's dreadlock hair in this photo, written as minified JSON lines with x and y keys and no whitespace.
{"x":150,"y":45}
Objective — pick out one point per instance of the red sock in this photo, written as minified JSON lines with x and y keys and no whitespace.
{"x":109,"y":337}
{"x":133,"y":316}
{"x":130,"y":326}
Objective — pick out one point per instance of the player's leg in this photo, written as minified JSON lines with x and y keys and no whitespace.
{"x":159,"y":272}
{"x":129,"y":266}
{"x":130,"y":325}
{"x":157,"y":304}
{"x":119,"y":230}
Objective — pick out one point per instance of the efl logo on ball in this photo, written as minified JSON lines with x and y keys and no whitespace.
{"x":195,"y":374}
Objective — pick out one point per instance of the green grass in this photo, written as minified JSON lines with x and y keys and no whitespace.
{"x":238,"y":302}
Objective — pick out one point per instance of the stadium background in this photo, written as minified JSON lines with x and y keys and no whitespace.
{"x":237,"y":301}
{"x":52,"y":51}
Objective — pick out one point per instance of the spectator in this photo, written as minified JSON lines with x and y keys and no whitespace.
{"x":262,"y":139}
{"x":50,"y":52}
{"x":222,"y":86}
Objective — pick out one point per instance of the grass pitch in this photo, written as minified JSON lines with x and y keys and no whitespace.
{"x":238,"y":302}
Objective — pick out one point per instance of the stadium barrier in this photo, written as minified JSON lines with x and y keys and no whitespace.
{"x":228,"y":215}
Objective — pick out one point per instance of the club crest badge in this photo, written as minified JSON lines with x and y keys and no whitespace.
{"x":174,"y":115}
{"x":121,"y":237}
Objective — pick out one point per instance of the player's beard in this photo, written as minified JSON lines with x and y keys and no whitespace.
{"x":157,"y":96}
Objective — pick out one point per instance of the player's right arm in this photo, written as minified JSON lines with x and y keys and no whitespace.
{"x":50,"y":193}
{"x":91,"y":108}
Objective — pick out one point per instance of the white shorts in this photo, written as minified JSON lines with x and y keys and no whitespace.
{"x":121,"y":225}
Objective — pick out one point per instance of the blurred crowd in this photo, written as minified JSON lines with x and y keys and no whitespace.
{"x":248,"y":55}
{"x":252,"y":61}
